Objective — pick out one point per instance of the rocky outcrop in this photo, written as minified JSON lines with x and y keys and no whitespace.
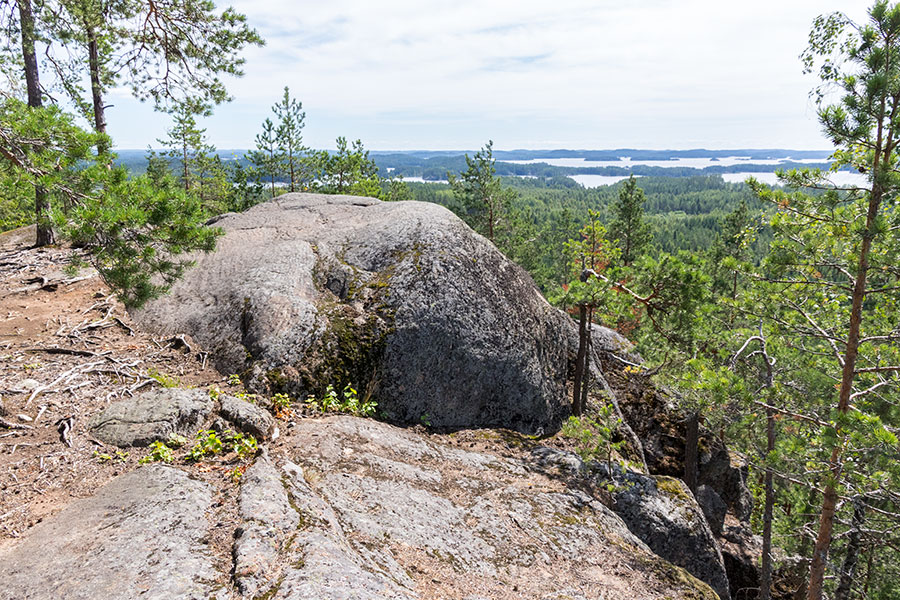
{"x":152,"y":416}
{"x":144,"y":535}
{"x":714,"y":508}
{"x":401,"y":299}
{"x":160,"y":414}
{"x":659,"y":510}
{"x":341,"y":508}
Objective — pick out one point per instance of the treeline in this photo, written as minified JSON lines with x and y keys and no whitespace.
{"x":683,"y":214}
{"x":435,"y":168}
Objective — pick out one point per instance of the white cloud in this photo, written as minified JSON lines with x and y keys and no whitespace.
{"x":442,"y":74}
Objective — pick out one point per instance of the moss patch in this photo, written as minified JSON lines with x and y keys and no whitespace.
{"x":676,"y":578}
{"x":673,"y":488}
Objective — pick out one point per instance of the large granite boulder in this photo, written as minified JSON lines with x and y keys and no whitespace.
{"x":144,"y":535}
{"x":400,"y":299}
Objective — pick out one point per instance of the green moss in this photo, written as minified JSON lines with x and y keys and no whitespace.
{"x":278,"y":381}
{"x":567,"y":519}
{"x":303,"y":519}
{"x":676,"y":578}
{"x":673,"y":488}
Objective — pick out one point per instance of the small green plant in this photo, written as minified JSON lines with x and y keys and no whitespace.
{"x":102,"y":456}
{"x":74,"y":266}
{"x":251,"y":398}
{"x":235,"y":475}
{"x":594,"y":436}
{"x":208,"y":444}
{"x":281,"y":405}
{"x":159,"y":452}
{"x":176,"y":441}
{"x":347,"y":402}
{"x":425,"y":420}
{"x":234,"y":379}
{"x":167,"y":381}
{"x":214,"y":393}
{"x":244,"y":446}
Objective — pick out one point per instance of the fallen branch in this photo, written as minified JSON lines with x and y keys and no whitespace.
{"x":11,"y":425}
{"x":57,"y":350}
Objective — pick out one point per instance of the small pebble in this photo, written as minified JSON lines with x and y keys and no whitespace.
{"x":25,"y":418}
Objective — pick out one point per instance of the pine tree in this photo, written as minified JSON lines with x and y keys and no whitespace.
{"x":267,"y":158}
{"x":484,"y":202}
{"x":832,"y":271}
{"x":289,"y":134}
{"x":167,"y":51}
{"x":628,"y":228}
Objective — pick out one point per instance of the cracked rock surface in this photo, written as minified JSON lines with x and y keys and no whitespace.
{"x":338,"y":508}
{"x":381,"y":512}
{"x":143,"y":535}
{"x":151,"y":416}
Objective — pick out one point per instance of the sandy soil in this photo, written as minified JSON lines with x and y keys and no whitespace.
{"x":67,"y":349}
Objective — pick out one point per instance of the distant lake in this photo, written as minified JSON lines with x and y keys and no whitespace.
{"x":592,"y":181}
{"x":839,"y":178}
{"x":696,"y":163}
{"x":420,"y":180}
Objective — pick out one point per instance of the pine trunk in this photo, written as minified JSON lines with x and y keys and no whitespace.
{"x":829,"y":503}
{"x":765,"y":576}
{"x":586,"y":367}
{"x":580,"y":360}
{"x":851,"y":560}
{"x":97,"y":89}
{"x":33,"y":84}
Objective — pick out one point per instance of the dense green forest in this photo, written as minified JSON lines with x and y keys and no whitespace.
{"x":771,"y":313}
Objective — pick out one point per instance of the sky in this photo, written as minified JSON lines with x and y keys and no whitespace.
{"x":581,"y":74}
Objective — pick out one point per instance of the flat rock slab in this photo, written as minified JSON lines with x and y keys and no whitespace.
{"x":142,"y":536}
{"x":660,"y":511}
{"x":381,"y":512}
{"x":152,"y":416}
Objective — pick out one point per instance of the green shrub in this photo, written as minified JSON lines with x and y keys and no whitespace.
{"x":347,"y":402}
{"x":594,"y":436}
{"x":210,"y":443}
{"x":159,"y":452}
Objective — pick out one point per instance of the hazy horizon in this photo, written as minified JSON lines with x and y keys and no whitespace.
{"x":527,"y":74}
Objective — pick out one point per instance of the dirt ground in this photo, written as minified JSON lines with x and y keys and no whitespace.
{"x":67,"y":349}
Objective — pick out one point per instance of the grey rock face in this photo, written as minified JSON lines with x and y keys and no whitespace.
{"x":152,"y":416}
{"x":660,"y":511}
{"x":610,"y":341}
{"x":371,"y":511}
{"x":714,"y":508}
{"x":141,"y":536}
{"x":726,"y":473}
{"x":247,"y":417}
{"x":267,"y":522}
{"x":398,"y":297}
